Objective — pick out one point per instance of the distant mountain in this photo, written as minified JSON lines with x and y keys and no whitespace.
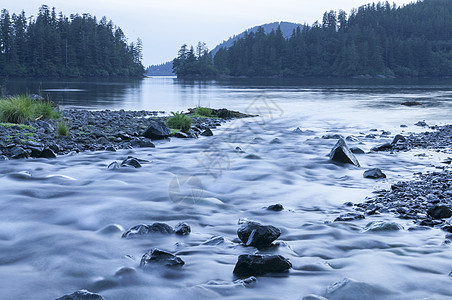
{"x":286,"y":28}
{"x":165,"y":69}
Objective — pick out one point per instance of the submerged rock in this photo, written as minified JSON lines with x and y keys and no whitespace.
{"x":144,"y":229}
{"x":375,"y":173}
{"x":351,"y":216}
{"x":81,"y":295}
{"x":275,"y":207}
{"x":157,"y":130}
{"x":349,"y":289}
{"x":255,"y":265}
{"x":342,"y":154}
{"x":207,"y":132}
{"x":357,"y":150}
{"x":257,"y":235}
{"x":157,"y":256}
{"x":376,"y":226}
{"x":398,"y":139}
{"x":214,"y":241}
{"x":131,"y":162}
{"x":382,"y":147}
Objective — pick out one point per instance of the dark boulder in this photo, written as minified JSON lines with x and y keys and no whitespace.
{"x":114,"y":165}
{"x":81,"y":295}
{"x":48,"y":153}
{"x":375,"y":173}
{"x":18,"y":152}
{"x":144,"y":229}
{"x":181,"y":135}
{"x":398,"y":139}
{"x":255,"y":265}
{"x":156,"y":256}
{"x":349,"y":217}
{"x":357,"y":150}
{"x":439,"y":212}
{"x":421,"y":123}
{"x":342,"y":154}
{"x":157,"y":130}
{"x":382,"y":147}
{"x":182,"y":229}
{"x":257,"y":235}
{"x":275,"y":207}
{"x":207,"y":132}
{"x":131,"y":162}
{"x":332,"y":136}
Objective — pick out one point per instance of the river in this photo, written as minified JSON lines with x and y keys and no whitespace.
{"x":61,"y":220}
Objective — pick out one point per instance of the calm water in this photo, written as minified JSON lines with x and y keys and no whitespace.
{"x":57,"y":216}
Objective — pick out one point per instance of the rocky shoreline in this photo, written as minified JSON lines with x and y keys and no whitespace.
{"x":96,"y":131}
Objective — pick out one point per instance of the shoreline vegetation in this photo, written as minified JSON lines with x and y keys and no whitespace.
{"x":31,"y":126}
{"x":377,"y":40}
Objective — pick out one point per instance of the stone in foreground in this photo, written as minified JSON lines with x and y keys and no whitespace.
{"x":342,"y":154}
{"x":157,"y":130}
{"x":81,"y":295}
{"x":255,"y":265}
{"x":157,"y":256}
{"x":439,"y":212}
{"x":143,"y":229}
{"x":257,"y":235}
{"x":182,"y":229}
{"x":375,"y":173}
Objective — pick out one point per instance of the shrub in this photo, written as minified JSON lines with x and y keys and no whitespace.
{"x":63,"y":128}
{"x":180,"y":121}
{"x":203,"y":111}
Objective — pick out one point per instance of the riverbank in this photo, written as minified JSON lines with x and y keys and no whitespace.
{"x":95,"y":131}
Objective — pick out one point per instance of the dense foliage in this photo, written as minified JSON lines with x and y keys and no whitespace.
{"x":189,"y":63}
{"x":51,"y":45}
{"x":375,"y":39}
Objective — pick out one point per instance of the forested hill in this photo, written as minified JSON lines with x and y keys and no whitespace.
{"x":375,"y":39}
{"x":52,"y":44}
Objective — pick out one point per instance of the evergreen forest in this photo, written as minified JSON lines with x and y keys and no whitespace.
{"x":54,"y":45}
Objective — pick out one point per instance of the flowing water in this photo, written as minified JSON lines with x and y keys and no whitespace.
{"x":61,"y":220}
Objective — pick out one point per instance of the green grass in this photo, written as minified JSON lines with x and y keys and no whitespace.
{"x":21,"y":126}
{"x":63,"y":128}
{"x":174,"y":131}
{"x":203,"y":112}
{"x":20,"y":109}
{"x":180,"y":121}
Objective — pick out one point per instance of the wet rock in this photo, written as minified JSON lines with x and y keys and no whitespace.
{"x":81,"y":295}
{"x":357,"y":150}
{"x":256,"y":265}
{"x":159,"y":257}
{"x":349,"y":289}
{"x":18,"y":152}
{"x":247,"y":282}
{"x":275,"y":207}
{"x":207,"y":132}
{"x":342,"y":154}
{"x":257,"y":235}
{"x":421,"y":123}
{"x":47,"y":153}
{"x":114,"y":165}
{"x":375,"y":173}
{"x":144,"y":229}
{"x":351,"y":216}
{"x":252,"y":156}
{"x":143,"y":144}
{"x":181,"y":135}
{"x":440,"y":212}
{"x":297,"y":130}
{"x":157,"y":130}
{"x":332,"y":136}
{"x":398,"y":139}
{"x":377,"y":226}
{"x":182,"y":229}
{"x":383,"y":147}
{"x":411,"y":103}
{"x":276,"y":141}
{"x":131,"y":162}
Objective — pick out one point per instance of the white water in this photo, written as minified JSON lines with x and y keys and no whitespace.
{"x":52,"y":212}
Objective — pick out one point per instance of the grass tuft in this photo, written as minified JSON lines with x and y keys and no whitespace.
{"x":180,"y":121}
{"x":203,"y":112}
{"x":20,"y":109}
{"x":63,"y":128}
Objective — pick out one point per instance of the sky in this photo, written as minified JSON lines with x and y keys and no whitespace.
{"x":165,"y":25}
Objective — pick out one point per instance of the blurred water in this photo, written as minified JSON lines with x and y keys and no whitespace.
{"x":56,"y":215}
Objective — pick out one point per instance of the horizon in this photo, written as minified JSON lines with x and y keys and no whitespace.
{"x":164,"y":27}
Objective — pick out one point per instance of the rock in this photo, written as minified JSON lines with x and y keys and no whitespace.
{"x":349,"y":289}
{"x":247,"y":282}
{"x":182,"y":229}
{"x":181,"y":135}
{"x":144,"y":229}
{"x":332,"y":136}
{"x":214,"y":241}
{"x":398,"y":138}
{"x":18,"y":152}
{"x":255,"y":265}
{"x":143,"y":144}
{"x":411,"y":103}
{"x":113,"y":165}
{"x":276,"y":141}
{"x":357,"y":150}
{"x":375,"y":173}
{"x":439,"y":212}
{"x":48,"y":153}
{"x":207,"y":132}
{"x":81,"y":295}
{"x":421,"y":123}
{"x":275,"y":207}
{"x":157,"y":130}
{"x":156,"y":256}
{"x":257,"y":235}
{"x":252,"y":156}
{"x":342,"y":154}
{"x":297,"y":130}
{"x":131,"y":162}
{"x":351,"y":216}
{"x":377,"y":226}
{"x":382,"y":147}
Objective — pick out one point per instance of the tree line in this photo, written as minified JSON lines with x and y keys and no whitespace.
{"x":375,"y":39}
{"x":54,"y":45}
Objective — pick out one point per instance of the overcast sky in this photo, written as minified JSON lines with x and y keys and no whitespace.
{"x":164,"y":25}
